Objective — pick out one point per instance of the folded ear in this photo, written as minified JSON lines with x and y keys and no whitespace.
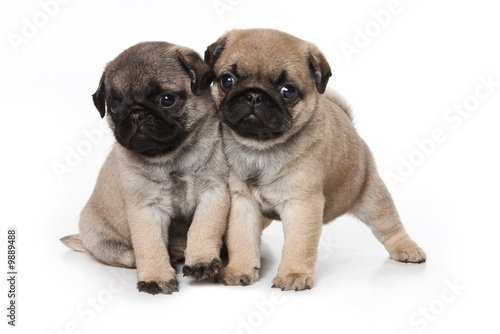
{"x":200,"y":73}
{"x":99,"y":97}
{"x":320,"y":69}
{"x":214,"y":51}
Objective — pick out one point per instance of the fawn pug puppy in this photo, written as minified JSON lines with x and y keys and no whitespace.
{"x":294,"y":156}
{"x":162,"y":191}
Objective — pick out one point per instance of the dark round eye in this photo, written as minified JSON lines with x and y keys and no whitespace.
{"x":113,"y":107}
{"x":167,"y":100}
{"x":288,"y":92}
{"x":226,"y":81}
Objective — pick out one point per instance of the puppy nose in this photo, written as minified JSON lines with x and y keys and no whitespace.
{"x":253,"y":98}
{"x":136,"y":116}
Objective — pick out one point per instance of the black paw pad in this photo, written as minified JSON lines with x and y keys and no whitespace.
{"x":202,"y":270}
{"x":154,"y":288}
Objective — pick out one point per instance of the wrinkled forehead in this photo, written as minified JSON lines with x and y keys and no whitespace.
{"x":262,"y":56}
{"x":142,"y":74}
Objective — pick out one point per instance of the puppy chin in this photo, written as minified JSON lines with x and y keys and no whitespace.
{"x":252,"y":127}
{"x":151,"y":146}
{"x":255,"y":138}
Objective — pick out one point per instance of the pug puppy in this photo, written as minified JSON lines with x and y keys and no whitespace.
{"x":294,"y":156}
{"x":162,"y":192}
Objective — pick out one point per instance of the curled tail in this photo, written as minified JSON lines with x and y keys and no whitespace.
{"x":74,"y":242}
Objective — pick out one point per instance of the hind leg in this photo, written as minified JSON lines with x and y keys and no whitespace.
{"x":105,"y":244}
{"x":377,"y":210}
{"x":114,"y":253}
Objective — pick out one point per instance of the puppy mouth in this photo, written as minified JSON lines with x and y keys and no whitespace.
{"x":160,"y":132}
{"x":255,"y":123}
{"x":252,"y":113}
{"x":252,"y":117}
{"x":150,"y":135}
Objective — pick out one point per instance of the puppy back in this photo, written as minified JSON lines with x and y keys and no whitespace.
{"x":339,"y":100}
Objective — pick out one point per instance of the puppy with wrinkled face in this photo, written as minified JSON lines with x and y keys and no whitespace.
{"x":162,"y":192}
{"x":294,"y":156}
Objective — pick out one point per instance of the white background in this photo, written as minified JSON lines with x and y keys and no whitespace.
{"x":427,"y":59}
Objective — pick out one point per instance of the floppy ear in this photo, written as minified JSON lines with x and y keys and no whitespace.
{"x":214,"y":51}
{"x":99,"y":97}
{"x":201,"y":75}
{"x":319,"y":69}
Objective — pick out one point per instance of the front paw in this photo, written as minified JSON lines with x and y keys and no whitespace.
{"x":202,"y":270}
{"x":154,"y":287}
{"x":293,"y":281}
{"x":411,"y":255}
{"x":407,"y":251}
{"x":229,"y":276}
